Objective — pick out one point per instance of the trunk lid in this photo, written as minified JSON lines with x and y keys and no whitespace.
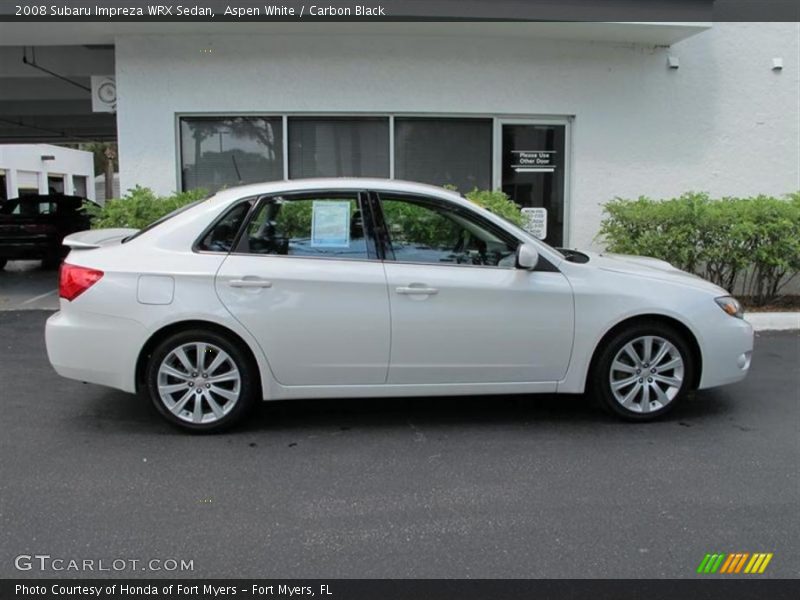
{"x":97,"y":238}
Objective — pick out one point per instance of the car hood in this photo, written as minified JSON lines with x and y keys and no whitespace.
{"x":652,"y":268}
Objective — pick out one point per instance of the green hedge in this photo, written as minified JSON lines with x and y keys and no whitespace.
{"x":748,"y":244}
{"x":139,"y":207}
{"x":497,"y":202}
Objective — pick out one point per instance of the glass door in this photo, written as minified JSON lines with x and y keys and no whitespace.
{"x":533,"y":166}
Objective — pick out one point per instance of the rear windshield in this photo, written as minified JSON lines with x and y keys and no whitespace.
{"x":38,"y":206}
{"x":166,"y":217}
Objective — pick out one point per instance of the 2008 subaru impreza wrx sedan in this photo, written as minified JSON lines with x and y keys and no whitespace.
{"x":334,"y":288}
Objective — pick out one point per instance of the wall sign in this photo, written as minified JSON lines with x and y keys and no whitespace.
{"x":533,"y":161}
{"x":535,"y":221}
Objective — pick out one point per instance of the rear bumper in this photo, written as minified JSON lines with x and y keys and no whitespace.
{"x":727,"y":351}
{"x":27,"y":250}
{"x":95,"y":348}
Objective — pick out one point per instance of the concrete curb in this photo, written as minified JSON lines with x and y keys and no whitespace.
{"x":773,"y":321}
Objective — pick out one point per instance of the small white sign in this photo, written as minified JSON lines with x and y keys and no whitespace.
{"x":535,"y":221}
{"x":104,"y":93}
{"x":330,"y":224}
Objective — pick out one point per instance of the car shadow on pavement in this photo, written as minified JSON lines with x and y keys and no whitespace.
{"x":116,"y":410}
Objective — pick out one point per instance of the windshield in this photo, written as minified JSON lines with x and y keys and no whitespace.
{"x":163,"y":219}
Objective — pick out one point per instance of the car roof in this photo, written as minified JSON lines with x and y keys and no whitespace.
{"x":335,"y":183}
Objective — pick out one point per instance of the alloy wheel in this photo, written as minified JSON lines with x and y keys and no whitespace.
{"x":199,"y":382}
{"x":646,"y":374}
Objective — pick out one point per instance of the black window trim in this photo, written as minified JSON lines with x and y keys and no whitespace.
{"x":385,"y":241}
{"x":314,"y":194}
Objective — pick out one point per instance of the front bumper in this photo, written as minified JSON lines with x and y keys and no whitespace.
{"x":95,"y":348}
{"x":727,"y":351}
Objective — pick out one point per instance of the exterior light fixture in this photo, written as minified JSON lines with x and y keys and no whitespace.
{"x":673,"y":62}
{"x":777,"y":64}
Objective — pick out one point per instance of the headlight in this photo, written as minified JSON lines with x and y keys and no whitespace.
{"x":731,"y":306}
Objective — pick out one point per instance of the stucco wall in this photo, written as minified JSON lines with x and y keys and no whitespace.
{"x":723,"y":122}
{"x":17,"y":159}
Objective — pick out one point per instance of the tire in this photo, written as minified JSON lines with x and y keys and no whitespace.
{"x":227,"y":392}
{"x":3,"y":262}
{"x":629,"y":385}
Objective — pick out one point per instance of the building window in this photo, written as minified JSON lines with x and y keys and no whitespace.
{"x":338,"y":147}
{"x":444,"y":151}
{"x":225,"y":152}
{"x":80,"y":186}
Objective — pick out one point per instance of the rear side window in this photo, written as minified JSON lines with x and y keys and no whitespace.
{"x":323,"y":226}
{"x":221,"y":237}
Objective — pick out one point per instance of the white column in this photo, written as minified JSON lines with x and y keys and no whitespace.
{"x":11,"y":184}
{"x":43,"y":187}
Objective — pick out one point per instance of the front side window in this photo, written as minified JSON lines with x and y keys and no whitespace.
{"x":427,"y":232}
{"x":318,"y":226}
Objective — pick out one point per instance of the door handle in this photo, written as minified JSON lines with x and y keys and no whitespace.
{"x":250,"y":283}
{"x":417,"y":289}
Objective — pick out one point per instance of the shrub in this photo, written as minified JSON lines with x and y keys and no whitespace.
{"x":497,"y":202}
{"x":139,"y":207}
{"x":751,"y":244}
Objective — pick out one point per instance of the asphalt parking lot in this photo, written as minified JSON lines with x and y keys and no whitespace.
{"x":456,"y":487}
{"x":25,"y":285}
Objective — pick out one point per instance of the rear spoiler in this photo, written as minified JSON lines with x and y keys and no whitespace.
{"x":96,"y":238}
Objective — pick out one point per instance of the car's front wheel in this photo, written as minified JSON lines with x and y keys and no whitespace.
{"x":644,"y":371}
{"x":200,"y":380}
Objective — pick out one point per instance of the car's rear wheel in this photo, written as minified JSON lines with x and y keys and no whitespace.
{"x":201,"y":380}
{"x":644,"y":371}
{"x":3,"y":262}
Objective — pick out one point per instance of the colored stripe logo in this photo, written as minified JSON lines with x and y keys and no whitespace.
{"x":739,"y":562}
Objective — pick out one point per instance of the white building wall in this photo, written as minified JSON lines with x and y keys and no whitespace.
{"x":724,"y":122}
{"x":22,"y":164}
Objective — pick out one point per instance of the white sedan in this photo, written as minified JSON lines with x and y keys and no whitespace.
{"x":334,"y":288}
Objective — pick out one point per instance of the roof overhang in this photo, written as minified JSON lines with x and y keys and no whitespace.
{"x":88,"y":33}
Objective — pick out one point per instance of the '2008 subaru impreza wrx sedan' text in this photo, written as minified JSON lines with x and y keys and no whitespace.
{"x":364,"y":287}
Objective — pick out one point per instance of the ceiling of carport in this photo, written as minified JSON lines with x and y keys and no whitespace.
{"x":36,"y":106}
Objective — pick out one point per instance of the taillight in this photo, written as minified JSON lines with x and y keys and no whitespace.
{"x":74,"y":280}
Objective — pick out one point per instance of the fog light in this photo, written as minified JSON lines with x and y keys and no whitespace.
{"x":743,"y":362}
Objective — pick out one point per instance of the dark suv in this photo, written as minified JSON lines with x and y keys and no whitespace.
{"x":32,"y":227}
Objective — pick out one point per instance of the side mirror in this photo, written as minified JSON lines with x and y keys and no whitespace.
{"x":527,"y":256}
